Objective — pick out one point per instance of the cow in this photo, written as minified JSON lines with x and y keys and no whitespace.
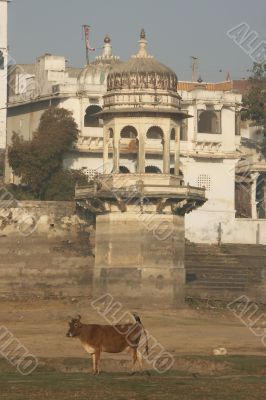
{"x":109,"y":338}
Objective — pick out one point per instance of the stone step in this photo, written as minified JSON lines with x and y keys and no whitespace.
{"x":214,"y":271}
{"x":219,"y":286}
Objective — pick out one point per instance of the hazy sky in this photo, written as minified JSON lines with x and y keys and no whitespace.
{"x":176,"y":29}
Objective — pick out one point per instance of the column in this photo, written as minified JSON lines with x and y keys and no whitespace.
{"x":141,"y":151}
{"x":116,"y":154}
{"x":253,"y":188}
{"x":166,"y":152}
{"x":105,"y":149}
{"x":177,"y":147}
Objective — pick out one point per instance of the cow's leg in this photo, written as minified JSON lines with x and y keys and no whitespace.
{"x":94,"y":367}
{"x":134,"y":360}
{"x":97,"y":361}
{"x":140,"y":359}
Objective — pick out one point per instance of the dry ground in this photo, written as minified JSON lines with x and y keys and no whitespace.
{"x":188,"y":334}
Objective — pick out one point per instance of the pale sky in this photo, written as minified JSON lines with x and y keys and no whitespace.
{"x":176,"y":30}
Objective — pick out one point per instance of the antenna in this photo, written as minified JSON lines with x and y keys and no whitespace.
{"x":195,"y":68}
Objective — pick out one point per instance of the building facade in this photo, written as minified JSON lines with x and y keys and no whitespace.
{"x":217,"y":151}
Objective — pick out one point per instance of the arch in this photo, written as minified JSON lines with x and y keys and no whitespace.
{"x":129,"y":132}
{"x":129,"y":144}
{"x":208,"y":122}
{"x":155,"y":132}
{"x":123,"y":169}
{"x":152,"y":169}
{"x":91,"y":120}
{"x":154,"y":142}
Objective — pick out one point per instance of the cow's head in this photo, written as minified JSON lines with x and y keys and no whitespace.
{"x":74,"y":327}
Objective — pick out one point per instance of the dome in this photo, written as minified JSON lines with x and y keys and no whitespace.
{"x":142,"y":71}
{"x":96,"y":72}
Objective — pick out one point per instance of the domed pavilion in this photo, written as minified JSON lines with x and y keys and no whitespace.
{"x":139,"y":209}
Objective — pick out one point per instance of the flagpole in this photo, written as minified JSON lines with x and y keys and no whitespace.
{"x":86,"y":29}
{"x":87,"y":56}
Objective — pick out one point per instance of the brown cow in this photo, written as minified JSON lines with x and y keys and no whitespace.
{"x":109,"y":338}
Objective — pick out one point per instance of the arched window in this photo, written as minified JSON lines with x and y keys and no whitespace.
{"x":91,"y":120}
{"x":209,"y":122}
{"x":123,"y":169}
{"x":129,"y":132}
{"x":152,"y":169}
{"x":155,"y":133}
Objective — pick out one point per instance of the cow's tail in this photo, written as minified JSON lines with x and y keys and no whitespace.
{"x":137,"y":319}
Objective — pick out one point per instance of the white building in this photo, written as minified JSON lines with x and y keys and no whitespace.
{"x":212,"y":151}
{"x":3,"y":71}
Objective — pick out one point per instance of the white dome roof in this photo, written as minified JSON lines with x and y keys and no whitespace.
{"x":96,"y":72}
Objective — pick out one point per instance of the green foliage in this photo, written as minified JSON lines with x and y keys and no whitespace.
{"x":39,"y":162}
{"x":255,"y":100}
{"x":62,"y":185}
{"x":21,"y":192}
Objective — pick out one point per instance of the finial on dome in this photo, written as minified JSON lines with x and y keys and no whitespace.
{"x":107,"y":39}
{"x":142,"y":34}
{"x":107,"y":54}
{"x":142,"y":46}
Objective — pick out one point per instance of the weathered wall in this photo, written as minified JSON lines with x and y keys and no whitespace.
{"x":55,"y":259}
{"x":140,"y":260}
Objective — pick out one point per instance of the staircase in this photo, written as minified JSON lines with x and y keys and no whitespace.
{"x":223,"y":272}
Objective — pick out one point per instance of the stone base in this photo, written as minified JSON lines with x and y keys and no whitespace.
{"x":140,"y":259}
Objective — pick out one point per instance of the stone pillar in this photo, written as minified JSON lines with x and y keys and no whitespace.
{"x":141,"y":152}
{"x":166,"y":153}
{"x":105,"y":150}
{"x":254,"y":177}
{"x":116,"y":155}
{"x":177,"y":148}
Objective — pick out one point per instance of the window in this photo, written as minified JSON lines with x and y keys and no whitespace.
{"x":91,"y":120}
{"x":155,"y":133}
{"x":204,"y":181}
{"x":152,"y":169}
{"x":123,"y":169}
{"x":209,"y":122}
{"x":129,"y":132}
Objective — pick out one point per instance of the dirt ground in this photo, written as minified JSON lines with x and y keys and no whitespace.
{"x":42,"y":325}
{"x":190,"y":335}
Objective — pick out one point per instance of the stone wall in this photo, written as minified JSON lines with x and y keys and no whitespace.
{"x":45,"y":251}
{"x":140,"y":261}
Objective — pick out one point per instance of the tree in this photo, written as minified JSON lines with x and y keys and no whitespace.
{"x":255,"y":100}
{"x":38,"y":162}
{"x":62,"y":185}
